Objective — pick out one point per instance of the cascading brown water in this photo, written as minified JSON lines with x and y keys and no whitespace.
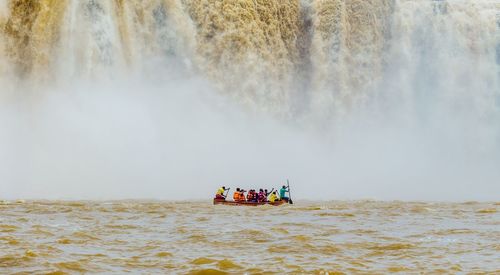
{"x":348,"y":50}
{"x":254,"y":50}
{"x":250,"y":47}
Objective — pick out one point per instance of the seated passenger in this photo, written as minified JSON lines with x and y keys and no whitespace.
{"x":261,"y":197}
{"x":220,"y":193}
{"x":236,"y":195}
{"x":241,"y":196}
{"x":250,"y":195}
{"x":273,"y":197}
{"x":255,"y":196}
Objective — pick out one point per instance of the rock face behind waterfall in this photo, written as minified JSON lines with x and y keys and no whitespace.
{"x":293,"y":59}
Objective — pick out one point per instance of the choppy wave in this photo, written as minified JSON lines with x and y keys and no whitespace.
{"x":156,"y":237}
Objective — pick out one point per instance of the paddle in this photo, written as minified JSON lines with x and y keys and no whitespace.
{"x":225,"y":196}
{"x":289,"y":194}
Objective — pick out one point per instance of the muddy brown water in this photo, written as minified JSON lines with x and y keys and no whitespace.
{"x":149,"y":237}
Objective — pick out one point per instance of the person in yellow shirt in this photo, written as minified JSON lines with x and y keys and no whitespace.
{"x":273,"y":197}
{"x":220,"y":193}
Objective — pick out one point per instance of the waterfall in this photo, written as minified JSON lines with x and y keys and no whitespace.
{"x":358,"y":85}
{"x":355,"y":52}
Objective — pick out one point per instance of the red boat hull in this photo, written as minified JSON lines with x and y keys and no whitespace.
{"x":247,"y":203}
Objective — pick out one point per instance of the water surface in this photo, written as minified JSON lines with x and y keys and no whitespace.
{"x":180,"y":237}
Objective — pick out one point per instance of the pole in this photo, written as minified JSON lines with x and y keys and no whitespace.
{"x":289,"y":194}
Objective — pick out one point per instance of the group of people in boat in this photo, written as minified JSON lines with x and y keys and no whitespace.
{"x":253,"y":196}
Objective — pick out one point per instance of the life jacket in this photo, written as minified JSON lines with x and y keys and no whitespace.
{"x":236,"y":196}
{"x":262,"y":196}
{"x":242,"y":196}
{"x":249,"y":196}
{"x":220,"y":191}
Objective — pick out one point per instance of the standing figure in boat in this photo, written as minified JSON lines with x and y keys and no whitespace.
{"x":283,"y":192}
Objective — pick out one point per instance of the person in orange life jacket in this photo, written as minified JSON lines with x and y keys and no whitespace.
{"x":236,"y":195}
{"x":241,"y":196}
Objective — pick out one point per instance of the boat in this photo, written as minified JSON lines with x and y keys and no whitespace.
{"x":251,"y":203}
{"x":248,"y":203}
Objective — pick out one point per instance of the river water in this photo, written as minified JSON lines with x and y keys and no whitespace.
{"x":146,"y":237}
